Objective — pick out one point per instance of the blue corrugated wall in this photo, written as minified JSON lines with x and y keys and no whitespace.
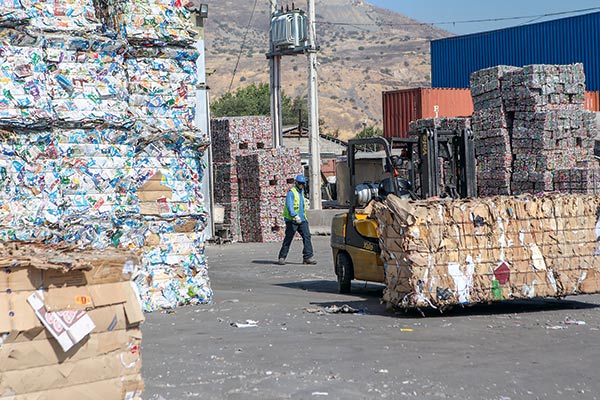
{"x":562,"y":41}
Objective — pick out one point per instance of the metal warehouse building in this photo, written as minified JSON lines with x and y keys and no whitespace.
{"x":563,"y":41}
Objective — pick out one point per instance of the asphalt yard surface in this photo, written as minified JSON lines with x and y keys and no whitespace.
{"x":282,"y":332}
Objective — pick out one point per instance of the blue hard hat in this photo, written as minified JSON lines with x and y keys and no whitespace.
{"x":300,"y":179}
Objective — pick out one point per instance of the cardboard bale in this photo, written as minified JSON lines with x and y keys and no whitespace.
{"x":440,"y":253}
{"x":70,"y":318}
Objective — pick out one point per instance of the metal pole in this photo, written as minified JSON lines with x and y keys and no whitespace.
{"x":202,"y":122}
{"x":313,"y":109}
{"x":275,"y":82}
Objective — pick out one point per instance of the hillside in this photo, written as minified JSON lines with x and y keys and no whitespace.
{"x":358,"y":59}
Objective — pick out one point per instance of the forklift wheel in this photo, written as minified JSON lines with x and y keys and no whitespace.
{"x":344,"y":272}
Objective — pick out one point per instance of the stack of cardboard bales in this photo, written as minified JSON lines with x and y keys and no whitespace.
{"x":251,"y":178}
{"x":69,"y":324}
{"x":440,"y":253}
{"x":230,"y":138}
{"x":532,"y":131}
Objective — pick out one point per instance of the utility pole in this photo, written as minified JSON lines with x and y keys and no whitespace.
{"x":275,"y":82}
{"x":313,"y":109}
{"x":202,"y":118}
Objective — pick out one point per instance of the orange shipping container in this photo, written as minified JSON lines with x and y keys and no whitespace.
{"x":592,"y":101}
{"x":400,"y":107}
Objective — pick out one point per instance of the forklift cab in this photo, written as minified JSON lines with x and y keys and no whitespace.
{"x":355,"y":235}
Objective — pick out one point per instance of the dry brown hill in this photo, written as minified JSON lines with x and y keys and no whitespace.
{"x":373,"y":50}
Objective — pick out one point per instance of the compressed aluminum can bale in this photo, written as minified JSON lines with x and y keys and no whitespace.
{"x":234,"y":135}
{"x":265,"y":177}
{"x":438,"y":253}
{"x":444,"y":124}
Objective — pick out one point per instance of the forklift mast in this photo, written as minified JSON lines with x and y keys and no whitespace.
{"x":453,"y":149}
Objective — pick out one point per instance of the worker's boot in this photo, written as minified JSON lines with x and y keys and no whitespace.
{"x":311,"y":261}
{"x":281,"y":261}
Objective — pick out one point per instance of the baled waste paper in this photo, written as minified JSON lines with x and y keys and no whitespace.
{"x":449,"y":252}
{"x":70,"y":323}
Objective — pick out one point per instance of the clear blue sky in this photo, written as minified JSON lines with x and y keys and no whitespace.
{"x":461,"y":10}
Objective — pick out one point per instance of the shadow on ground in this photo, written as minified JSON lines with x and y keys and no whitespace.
{"x":326,"y":286}
{"x":274,"y":262}
{"x":368,"y":301}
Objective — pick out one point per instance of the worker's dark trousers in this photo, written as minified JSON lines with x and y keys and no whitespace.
{"x":290,"y":231}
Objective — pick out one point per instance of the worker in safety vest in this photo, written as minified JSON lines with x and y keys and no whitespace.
{"x":294,"y":215}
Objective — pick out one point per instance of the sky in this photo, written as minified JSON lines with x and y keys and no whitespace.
{"x":462,"y":10}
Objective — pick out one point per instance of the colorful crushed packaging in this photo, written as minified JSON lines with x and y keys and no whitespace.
{"x":87,"y":81}
{"x":70,"y":16}
{"x":174,"y":269}
{"x":162,"y":87}
{"x":12,"y":13}
{"x":150,"y":22}
{"x":24,"y":97}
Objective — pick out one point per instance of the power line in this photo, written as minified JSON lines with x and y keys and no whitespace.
{"x":539,"y":16}
{"x":237,"y":63}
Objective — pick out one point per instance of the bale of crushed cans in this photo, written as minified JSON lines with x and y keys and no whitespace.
{"x":97,"y":106}
{"x":230,"y":138}
{"x":531,"y":129}
{"x":264,"y":177}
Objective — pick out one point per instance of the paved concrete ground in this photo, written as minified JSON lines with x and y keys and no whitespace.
{"x":503,"y":351}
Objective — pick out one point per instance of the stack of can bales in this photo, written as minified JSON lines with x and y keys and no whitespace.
{"x":440,"y":253}
{"x":264,"y":180}
{"x":69,"y":324}
{"x":232,"y":137}
{"x":532,"y":131}
{"x":161,"y":67}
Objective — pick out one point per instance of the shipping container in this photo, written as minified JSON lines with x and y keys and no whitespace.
{"x":402,"y":106}
{"x":592,"y":101}
{"x":562,"y":41}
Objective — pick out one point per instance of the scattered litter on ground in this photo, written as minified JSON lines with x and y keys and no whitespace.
{"x":248,"y":324}
{"x":570,"y":321}
{"x":334,"y":309}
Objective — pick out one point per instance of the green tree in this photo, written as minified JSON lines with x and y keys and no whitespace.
{"x":368,"y":132}
{"x":255,"y":100}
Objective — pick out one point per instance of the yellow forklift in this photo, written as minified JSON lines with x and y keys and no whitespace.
{"x":434,"y":164}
